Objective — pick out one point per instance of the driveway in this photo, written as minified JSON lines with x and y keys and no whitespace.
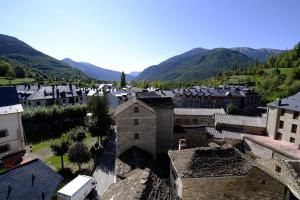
{"x":104,"y":173}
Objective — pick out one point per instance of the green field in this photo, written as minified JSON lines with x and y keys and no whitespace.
{"x":285,"y":71}
{"x":5,"y":81}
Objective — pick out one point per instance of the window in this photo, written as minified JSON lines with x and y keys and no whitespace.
{"x":278,"y":169}
{"x":136,"y":121}
{"x":38,"y":103}
{"x":178,"y":121}
{"x":278,"y":136}
{"x":64,"y":101}
{"x":3,"y":133}
{"x":136,"y":136}
{"x":282,"y":112}
{"x":292,"y":140}
{"x":195,"y":121}
{"x":281,"y":124}
{"x":4,"y":148}
{"x":294,"y":128}
{"x":29,"y":103}
{"x":186,"y":122}
{"x":136,"y":109}
{"x":296,"y":115}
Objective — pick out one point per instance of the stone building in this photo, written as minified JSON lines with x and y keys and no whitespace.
{"x":220,"y":173}
{"x":38,"y":95}
{"x":243,"y":98}
{"x":284,"y":120}
{"x":136,"y":125}
{"x":196,"y":116}
{"x":12,"y":138}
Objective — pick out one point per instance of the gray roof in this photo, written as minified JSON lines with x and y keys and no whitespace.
{"x":240,"y":120}
{"x":141,"y":184}
{"x":198,"y":111}
{"x":32,"y":180}
{"x":209,"y":162}
{"x":289,"y":103}
{"x":9,"y":96}
{"x":224,"y":133}
{"x":221,"y":91}
{"x":124,"y":106}
{"x":34,"y":92}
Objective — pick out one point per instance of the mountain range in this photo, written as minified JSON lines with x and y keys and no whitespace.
{"x":200,"y":63}
{"x":21,"y":53}
{"x":96,"y":72}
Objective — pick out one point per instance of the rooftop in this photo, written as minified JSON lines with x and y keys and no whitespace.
{"x":198,"y":111}
{"x":124,"y":106}
{"x":11,"y":96}
{"x":72,"y":187}
{"x":285,"y":148}
{"x":240,"y":120}
{"x":32,"y":180}
{"x":143,"y":184}
{"x":161,"y":102}
{"x":209,"y":162}
{"x":224,"y":133}
{"x":289,"y":103}
{"x":11,"y":109}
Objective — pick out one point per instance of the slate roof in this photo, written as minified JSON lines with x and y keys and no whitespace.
{"x":33,"y":92}
{"x":289,"y":103}
{"x":158,"y":102}
{"x":198,"y":111}
{"x":224,"y":133}
{"x":9,"y":96}
{"x":147,"y":95}
{"x":122,"y":107}
{"x":32,"y":180}
{"x":142,"y":184}
{"x":209,"y":162}
{"x":221,"y":91}
{"x":240,"y":120}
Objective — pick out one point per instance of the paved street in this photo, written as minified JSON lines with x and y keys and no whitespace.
{"x":104,"y":173}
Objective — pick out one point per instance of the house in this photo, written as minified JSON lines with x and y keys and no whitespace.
{"x":38,"y":95}
{"x":12,"y":138}
{"x":146,"y":123}
{"x":32,"y":180}
{"x":220,"y":173}
{"x":283,"y":132}
{"x":196,"y":116}
{"x":245,"y":99}
{"x":136,"y":125}
{"x":140,"y":184}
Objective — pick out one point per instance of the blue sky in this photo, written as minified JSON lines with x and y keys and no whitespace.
{"x":131,"y":35}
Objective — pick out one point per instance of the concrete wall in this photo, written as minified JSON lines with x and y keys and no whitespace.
{"x":257,"y":185}
{"x":15,"y":136}
{"x":164,"y":129}
{"x":126,"y":130}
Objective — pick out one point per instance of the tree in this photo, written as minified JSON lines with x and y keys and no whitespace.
{"x":77,"y":134}
{"x":60,"y":147}
{"x":123,"y":80}
{"x":99,"y":124}
{"x":20,"y":72}
{"x":79,"y":153}
{"x":231,"y":109}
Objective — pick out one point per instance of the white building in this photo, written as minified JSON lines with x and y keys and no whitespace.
{"x":11,"y":129}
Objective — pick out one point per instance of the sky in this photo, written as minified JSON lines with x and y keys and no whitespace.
{"x":130,"y":35}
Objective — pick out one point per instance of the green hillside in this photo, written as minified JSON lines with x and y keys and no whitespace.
{"x":21,"y":53}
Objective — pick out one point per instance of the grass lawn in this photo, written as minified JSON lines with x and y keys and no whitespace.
{"x":238,"y":79}
{"x":4,"y":81}
{"x":285,"y":71}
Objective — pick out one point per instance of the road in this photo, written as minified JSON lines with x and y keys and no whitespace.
{"x":104,"y":173}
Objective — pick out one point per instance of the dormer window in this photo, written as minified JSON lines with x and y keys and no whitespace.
{"x":136,"y":122}
{"x":282,"y":112}
{"x":296,"y":115}
{"x":3,"y":133}
{"x":136,"y":109}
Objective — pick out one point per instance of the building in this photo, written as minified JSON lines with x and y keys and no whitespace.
{"x":32,"y":180}
{"x":38,"y":95}
{"x":284,"y":120}
{"x":283,"y":132}
{"x":220,"y":173}
{"x":136,"y":125}
{"x":196,"y":116}
{"x":146,"y":123}
{"x":11,"y":130}
{"x":243,"y":98}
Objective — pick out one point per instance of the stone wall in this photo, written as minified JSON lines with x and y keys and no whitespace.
{"x":126,"y":130}
{"x":258,"y":149}
{"x":164,"y":129}
{"x":257,"y":185}
{"x":190,"y":120}
{"x":192,"y":139}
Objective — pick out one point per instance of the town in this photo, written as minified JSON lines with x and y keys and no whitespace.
{"x":163,"y":144}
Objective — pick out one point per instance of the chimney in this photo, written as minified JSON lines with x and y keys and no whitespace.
{"x":279,"y":101}
{"x":182,"y":144}
{"x":39,"y":86}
